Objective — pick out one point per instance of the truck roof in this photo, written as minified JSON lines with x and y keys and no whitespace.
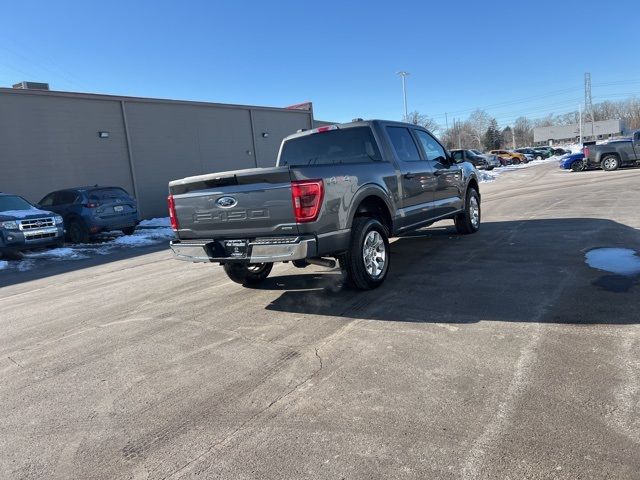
{"x":355,"y":123}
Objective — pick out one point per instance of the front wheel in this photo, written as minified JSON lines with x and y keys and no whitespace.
{"x":469,"y":221}
{"x":366,"y":263}
{"x":251,"y":274}
{"x":129,"y":230}
{"x":577,"y":166}
{"x":610,"y":163}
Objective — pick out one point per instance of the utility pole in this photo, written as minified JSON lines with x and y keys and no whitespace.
{"x":580,"y":121}
{"x":459,"y":139}
{"x":513,"y":137}
{"x":446,"y":119}
{"x":404,"y":75}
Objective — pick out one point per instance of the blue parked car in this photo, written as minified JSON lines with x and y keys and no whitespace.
{"x":573,"y":162}
{"x":91,"y":210}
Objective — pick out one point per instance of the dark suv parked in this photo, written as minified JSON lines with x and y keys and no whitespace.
{"x":91,"y":210}
{"x":23,"y":226}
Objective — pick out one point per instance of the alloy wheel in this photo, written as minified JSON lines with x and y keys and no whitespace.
{"x":374,"y":254}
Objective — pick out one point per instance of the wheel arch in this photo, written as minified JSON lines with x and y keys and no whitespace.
{"x":371,"y":200}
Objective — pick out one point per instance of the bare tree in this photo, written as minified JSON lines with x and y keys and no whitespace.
{"x":425,"y":121}
{"x":523,"y":131}
{"x":477,"y":125}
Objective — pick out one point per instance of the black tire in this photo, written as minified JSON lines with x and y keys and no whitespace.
{"x":610,"y":163}
{"x":248,"y":274}
{"x":577,"y":166}
{"x":77,"y":232}
{"x":129,"y":230}
{"x":491,"y":167}
{"x":358,"y":273}
{"x":469,"y":221}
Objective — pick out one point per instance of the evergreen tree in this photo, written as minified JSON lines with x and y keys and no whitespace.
{"x":492,"y":138}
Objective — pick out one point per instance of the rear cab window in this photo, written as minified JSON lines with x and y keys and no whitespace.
{"x":339,"y":146}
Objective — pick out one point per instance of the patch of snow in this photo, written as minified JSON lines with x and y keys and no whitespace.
{"x":155,"y":222}
{"x":105,"y":244}
{"x":25,"y":213}
{"x":144,"y":237}
{"x":486,"y":176}
{"x":622,"y":261}
{"x":62,"y":253}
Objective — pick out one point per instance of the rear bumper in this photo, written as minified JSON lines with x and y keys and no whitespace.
{"x":97,"y":224}
{"x":260,"y":250}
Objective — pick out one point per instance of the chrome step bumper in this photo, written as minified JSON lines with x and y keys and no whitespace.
{"x":259,"y":250}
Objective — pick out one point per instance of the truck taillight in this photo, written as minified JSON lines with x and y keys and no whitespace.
{"x":585,"y":151}
{"x":172,"y":213}
{"x":307,"y":199}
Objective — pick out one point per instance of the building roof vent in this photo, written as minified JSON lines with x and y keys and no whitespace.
{"x":31,"y":86}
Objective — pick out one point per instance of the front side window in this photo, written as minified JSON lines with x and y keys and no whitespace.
{"x":435,"y":152}
{"x":346,"y":145}
{"x":457,"y":155}
{"x":48,"y":200}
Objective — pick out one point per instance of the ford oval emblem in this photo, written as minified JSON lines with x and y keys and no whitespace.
{"x":226,"y":202}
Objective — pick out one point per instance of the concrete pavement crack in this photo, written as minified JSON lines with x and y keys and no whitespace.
{"x":14,"y":362}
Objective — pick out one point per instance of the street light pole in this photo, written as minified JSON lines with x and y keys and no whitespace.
{"x":404,"y":75}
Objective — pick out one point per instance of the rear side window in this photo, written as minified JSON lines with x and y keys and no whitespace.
{"x":348,"y":145}
{"x":403,"y":144}
{"x":107,"y":194}
{"x":65,"y":198}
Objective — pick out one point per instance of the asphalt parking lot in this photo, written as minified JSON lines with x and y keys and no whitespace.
{"x":496,"y":355}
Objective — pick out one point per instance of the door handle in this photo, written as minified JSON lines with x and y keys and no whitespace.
{"x":409,"y":175}
{"x":440,"y":172}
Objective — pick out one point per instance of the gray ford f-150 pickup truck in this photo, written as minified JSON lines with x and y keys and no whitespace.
{"x":336,"y":191}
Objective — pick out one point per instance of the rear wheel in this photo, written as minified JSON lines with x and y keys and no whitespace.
{"x":251,"y":274}
{"x":610,"y":163}
{"x":469,"y":221}
{"x":77,"y":232}
{"x":539,"y":157}
{"x":129,"y":230}
{"x":366,"y":263}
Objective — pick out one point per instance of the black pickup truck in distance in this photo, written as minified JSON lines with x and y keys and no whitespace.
{"x":336,"y":193}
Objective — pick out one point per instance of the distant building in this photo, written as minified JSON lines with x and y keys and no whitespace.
{"x":571,"y":133}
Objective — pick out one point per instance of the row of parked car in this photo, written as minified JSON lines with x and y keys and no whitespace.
{"x":498,"y":158}
{"x":74,"y":215}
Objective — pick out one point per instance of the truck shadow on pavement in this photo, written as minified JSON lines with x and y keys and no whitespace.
{"x":520,"y":271}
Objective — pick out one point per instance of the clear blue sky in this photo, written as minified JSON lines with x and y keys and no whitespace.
{"x":341,"y":55}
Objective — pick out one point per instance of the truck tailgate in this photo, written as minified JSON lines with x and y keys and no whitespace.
{"x":239,"y":204}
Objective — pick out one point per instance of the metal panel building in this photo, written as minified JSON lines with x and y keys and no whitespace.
{"x":571,"y":133}
{"x":53,"y":140}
